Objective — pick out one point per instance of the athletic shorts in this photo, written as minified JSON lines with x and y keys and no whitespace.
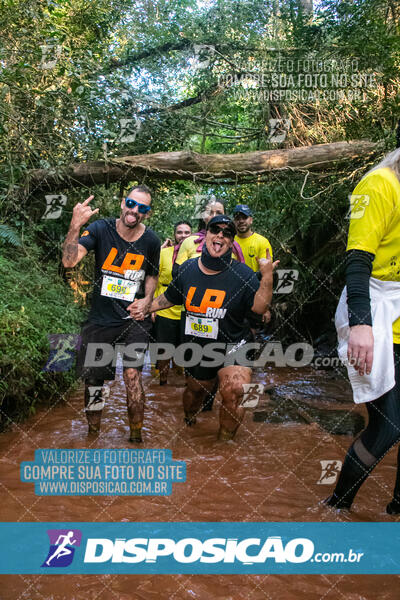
{"x":167,"y":331}
{"x":130,"y":332}
{"x":203,"y":373}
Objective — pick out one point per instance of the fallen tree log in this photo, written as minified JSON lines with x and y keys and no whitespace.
{"x":211,"y":168}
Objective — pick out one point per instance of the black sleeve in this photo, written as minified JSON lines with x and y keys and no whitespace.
{"x":358,"y":273}
{"x":153,"y":259}
{"x":89,"y":236}
{"x":174,"y":293}
{"x":251,"y":286}
{"x":175,"y":270}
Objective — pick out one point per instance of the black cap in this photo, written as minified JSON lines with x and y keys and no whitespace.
{"x":223,"y":220}
{"x":244,"y":209}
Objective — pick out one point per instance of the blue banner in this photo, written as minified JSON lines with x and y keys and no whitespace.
{"x":200,"y":548}
{"x":105,"y":472}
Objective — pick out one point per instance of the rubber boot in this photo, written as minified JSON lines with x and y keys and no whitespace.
{"x":353,"y":474}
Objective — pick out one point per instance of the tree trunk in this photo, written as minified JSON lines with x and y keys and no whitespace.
{"x":212,"y":168}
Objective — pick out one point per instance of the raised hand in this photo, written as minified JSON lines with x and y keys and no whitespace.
{"x":82,"y":212}
{"x":266,"y":266}
{"x":168,"y":242}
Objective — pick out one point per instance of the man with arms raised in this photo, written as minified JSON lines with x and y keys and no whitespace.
{"x":126,"y":268}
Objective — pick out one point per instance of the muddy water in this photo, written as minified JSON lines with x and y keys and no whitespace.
{"x":269,"y":473}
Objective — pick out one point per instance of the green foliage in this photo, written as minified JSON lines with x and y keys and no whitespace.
{"x":34,"y":303}
{"x":8,"y":236}
{"x":140,"y":60}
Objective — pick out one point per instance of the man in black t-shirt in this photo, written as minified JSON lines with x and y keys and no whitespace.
{"x":217,"y":293}
{"x":126,"y":268}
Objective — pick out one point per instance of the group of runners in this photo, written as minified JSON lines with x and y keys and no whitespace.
{"x":200,"y":287}
{"x":215,"y":286}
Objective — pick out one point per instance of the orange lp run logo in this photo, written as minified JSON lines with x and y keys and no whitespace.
{"x":132,"y":262}
{"x":211,"y":299}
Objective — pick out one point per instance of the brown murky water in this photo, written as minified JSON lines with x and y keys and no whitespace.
{"x":269,"y":473}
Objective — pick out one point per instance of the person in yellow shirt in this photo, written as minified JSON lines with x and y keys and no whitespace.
{"x":253,"y":244}
{"x":167,"y":321}
{"x":373,"y":250}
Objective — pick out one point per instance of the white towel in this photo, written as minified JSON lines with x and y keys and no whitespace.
{"x":385,"y":308}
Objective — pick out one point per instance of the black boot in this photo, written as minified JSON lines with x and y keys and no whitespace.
{"x":393,"y":508}
{"x":353,"y":474}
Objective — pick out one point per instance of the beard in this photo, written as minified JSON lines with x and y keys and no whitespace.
{"x":129,"y":224}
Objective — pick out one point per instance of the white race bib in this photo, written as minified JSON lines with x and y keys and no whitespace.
{"x":122,"y":289}
{"x":201,"y":327}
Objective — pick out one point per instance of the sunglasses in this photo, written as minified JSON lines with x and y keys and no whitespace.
{"x":216,"y":229}
{"x":142,"y":208}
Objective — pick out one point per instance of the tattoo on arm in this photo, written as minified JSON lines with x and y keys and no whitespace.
{"x":159,"y":303}
{"x":70,"y":247}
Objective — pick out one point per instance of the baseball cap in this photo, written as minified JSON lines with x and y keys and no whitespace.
{"x":223,"y":220}
{"x":244,"y":209}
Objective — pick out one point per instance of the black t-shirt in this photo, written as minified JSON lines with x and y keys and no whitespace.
{"x":226,"y":297}
{"x":121,"y":268}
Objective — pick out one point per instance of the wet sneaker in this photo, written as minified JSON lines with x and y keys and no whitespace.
{"x":224,"y":435}
{"x":136,"y":433}
{"x":94,"y":430}
{"x":335,"y":502}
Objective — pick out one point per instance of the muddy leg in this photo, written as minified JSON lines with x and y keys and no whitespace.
{"x":231,"y":380}
{"x":193,"y":396}
{"x":94,"y":403}
{"x":135,"y":402}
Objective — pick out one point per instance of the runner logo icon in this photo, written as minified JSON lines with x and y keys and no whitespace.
{"x":61,"y":551}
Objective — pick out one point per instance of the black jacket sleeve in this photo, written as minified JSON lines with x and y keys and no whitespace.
{"x":358,"y":273}
{"x":175,"y":270}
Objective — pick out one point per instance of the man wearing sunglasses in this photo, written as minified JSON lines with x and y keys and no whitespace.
{"x":126,"y":268}
{"x":217,"y":293}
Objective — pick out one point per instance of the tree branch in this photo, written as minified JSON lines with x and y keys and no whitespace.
{"x":187,"y":165}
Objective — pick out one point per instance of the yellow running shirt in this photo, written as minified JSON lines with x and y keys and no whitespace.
{"x":188,"y":249}
{"x":253,"y":247}
{"x":164,"y":279}
{"x":375,"y":226}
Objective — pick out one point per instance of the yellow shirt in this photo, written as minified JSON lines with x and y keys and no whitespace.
{"x":164,"y":279}
{"x":253,"y":247}
{"x":188,"y":249}
{"x":375,"y":226}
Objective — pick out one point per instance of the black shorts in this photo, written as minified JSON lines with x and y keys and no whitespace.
{"x":130,"y":332}
{"x":203,"y":373}
{"x":167,"y":331}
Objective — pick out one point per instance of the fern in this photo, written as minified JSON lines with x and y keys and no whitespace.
{"x":9,"y":236}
